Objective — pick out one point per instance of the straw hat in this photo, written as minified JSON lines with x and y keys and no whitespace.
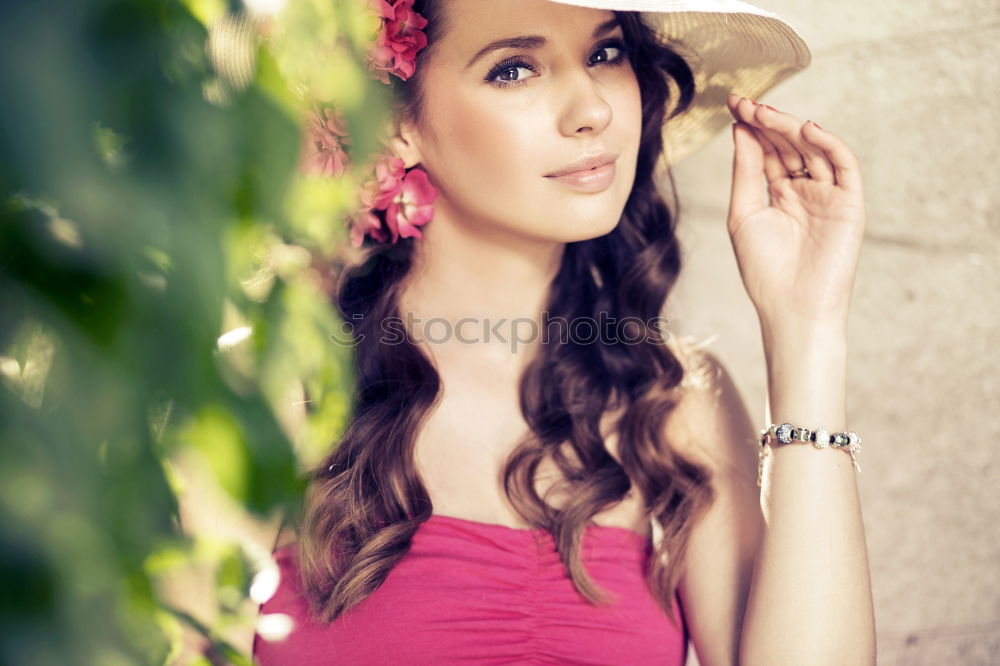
{"x":730,"y":45}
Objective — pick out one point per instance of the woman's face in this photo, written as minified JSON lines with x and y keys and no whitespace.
{"x":496,"y":123}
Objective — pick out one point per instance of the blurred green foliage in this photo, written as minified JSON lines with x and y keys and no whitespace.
{"x":162,"y":293}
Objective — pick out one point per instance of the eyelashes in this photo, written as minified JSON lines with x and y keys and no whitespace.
{"x":517,"y":62}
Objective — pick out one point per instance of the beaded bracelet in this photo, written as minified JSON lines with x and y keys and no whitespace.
{"x":786,"y":433}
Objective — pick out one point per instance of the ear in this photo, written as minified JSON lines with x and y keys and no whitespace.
{"x":403,"y":141}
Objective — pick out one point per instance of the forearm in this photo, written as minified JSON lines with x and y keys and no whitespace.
{"x":810,"y":596}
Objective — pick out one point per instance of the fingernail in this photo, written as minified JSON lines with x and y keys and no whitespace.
{"x":770,"y":107}
{"x":816,"y":124}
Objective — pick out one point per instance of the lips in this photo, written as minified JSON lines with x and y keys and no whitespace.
{"x":591,"y":181}
{"x":584,"y":163}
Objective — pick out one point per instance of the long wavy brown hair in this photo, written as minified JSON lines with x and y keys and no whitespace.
{"x":366,"y":500}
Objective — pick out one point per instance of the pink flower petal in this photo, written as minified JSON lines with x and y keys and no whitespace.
{"x":401,"y":37}
{"x":365,"y":223}
{"x":413,"y":206}
{"x":389,"y":172}
{"x":322,"y":151}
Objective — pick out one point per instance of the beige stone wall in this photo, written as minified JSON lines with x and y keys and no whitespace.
{"x":914,"y":89}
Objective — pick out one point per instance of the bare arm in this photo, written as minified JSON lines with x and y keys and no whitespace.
{"x":711,"y":426}
{"x":792,"y":588}
{"x":810,"y":597}
{"x":796,"y":241}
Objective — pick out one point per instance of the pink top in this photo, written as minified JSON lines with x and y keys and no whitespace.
{"x":480,"y":593}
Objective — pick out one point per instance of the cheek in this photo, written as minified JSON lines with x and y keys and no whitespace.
{"x":633,"y":107}
{"x":490,"y":150}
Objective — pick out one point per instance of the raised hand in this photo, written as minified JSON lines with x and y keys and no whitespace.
{"x":797,"y":241}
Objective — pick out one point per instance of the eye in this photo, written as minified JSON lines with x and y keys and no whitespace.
{"x":617,"y":47}
{"x":620,"y":48}
{"x":506,"y":67}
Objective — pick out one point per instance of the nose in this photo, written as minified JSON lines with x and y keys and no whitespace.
{"x":585,"y":107}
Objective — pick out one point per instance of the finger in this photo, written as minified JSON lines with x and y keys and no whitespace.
{"x":742,"y":109}
{"x":733,"y":102}
{"x":846,"y":166}
{"x":777,"y":129}
{"x":790,"y":129}
{"x":774,"y":167}
{"x":817,"y":162}
{"x":757,"y":115}
{"x":745,"y":111}
{"x":747,"y":195}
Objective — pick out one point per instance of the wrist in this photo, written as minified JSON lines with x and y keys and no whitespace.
{"x":807,"y":376}
{"x":798,"y":333}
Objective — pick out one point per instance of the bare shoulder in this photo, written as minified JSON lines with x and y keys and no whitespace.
{"x":710,"y":422}
{"x":711,"y":425}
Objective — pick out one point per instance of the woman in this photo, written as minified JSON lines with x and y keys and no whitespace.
{"x":494,"y":484}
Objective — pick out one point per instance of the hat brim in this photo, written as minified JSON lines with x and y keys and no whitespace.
{"x":731,"y":46}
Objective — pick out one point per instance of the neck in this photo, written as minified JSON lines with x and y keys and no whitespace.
{"x":469,"y":293}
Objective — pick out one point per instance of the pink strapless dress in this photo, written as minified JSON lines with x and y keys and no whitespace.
{"x":480,"y":593}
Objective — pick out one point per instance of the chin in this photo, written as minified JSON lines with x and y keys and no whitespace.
{"x":573,"y":232}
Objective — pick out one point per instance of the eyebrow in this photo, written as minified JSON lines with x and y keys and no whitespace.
{"x":533,"y":41}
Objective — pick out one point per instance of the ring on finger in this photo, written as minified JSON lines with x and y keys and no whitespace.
{"x":788,"y":153}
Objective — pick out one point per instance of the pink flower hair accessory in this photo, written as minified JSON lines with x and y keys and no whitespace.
{"x":399,"y":39}
{"x":394,"y":202}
